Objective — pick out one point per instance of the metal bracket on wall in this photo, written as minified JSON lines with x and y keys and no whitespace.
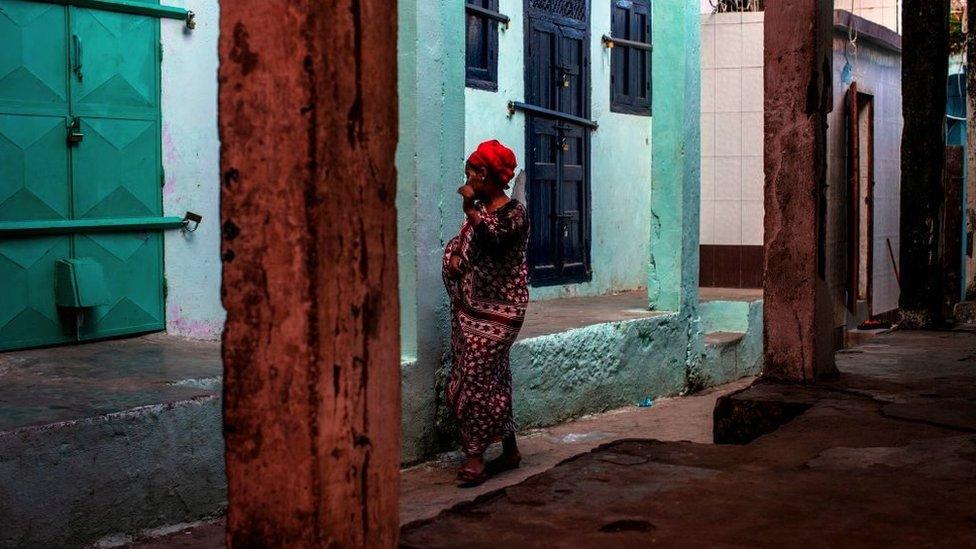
{"x":191,"y":222}
{"x":534,"y":110}
{"x":609,"y":42}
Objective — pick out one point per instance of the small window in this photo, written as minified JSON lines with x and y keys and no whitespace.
{"x":482,"y":46}
{"x":630,"y":64}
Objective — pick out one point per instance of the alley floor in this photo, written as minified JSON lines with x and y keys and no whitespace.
{"x":430,"y":488}
{"x":882,"y":455}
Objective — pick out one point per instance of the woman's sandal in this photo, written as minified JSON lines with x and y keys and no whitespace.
{"x":470,"y":479}
{"x":502,"y":463}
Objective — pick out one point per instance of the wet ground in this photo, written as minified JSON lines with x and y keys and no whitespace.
{"x":43,"y":386}
{"x":884,"y":455}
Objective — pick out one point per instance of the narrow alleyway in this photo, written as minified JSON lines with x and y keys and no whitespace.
{"x":430,"y":488}
{"x":885,"y":454}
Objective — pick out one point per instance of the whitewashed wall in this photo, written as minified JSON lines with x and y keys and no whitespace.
{"x":878,"y":73}
{"x":732,"y":129}
{"x":191,"y":159}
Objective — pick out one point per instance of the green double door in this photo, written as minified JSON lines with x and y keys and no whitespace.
{"x":79,"y":140}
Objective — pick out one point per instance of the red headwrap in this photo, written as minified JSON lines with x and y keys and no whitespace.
{"x":498,"y":159}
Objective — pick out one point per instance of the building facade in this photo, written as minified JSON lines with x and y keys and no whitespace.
{"x":861,"y":239}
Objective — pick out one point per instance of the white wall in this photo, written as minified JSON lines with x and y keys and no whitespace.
{"x":732,"y":129}
{"x":878,"y":73}
{"x":191,"y":159}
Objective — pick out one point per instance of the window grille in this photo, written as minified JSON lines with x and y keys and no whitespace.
{"x":723,"y":6}
{"x":572,"y":9}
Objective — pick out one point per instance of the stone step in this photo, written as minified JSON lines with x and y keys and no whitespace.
{"x":105,"y":438}
{"x":723,"y":339}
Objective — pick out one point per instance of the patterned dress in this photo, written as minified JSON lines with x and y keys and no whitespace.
{"x":488,"y":302}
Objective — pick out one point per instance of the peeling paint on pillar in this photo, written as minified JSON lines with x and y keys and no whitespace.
{"x":308,"y":123}
{"x":798,"y":340}
{"x":676,"y":152}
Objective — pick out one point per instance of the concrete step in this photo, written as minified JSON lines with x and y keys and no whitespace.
{"x":720,"y":340}
{"x":106,"y":438}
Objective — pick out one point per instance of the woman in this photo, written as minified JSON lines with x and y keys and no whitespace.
{"x":486,"y":277}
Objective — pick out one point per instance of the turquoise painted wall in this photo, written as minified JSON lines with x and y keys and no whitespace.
{"x":676,"y":207}
{"x":621,"y":152}
{"x":191,"y":160}
{"x":430,"y":165}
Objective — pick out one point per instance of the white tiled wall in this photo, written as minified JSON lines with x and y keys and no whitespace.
{"x":732,"y":129}
{"x":882,"y":12}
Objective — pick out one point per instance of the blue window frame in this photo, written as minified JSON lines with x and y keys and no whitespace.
{"x":482,"y":45}
{"x":630,"y":65}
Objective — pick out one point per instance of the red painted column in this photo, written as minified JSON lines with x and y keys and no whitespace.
{"x":798,"y":337}
{"x":308,"y":126}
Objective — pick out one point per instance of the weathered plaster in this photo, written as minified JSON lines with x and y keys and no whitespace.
{"x":596,"y":368}
{"x":675,"y":206}
{"x":727,"y":361}
{"x":191,"y":163}
{"x":431,"y":81}
{"x":798,"y":340}
{"x":68,"y":483}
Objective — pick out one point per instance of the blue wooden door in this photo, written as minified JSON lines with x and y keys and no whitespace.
{"x":557,"y":79}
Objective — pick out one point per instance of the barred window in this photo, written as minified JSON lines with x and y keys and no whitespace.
{"x":630,"y":66}
{"x":482,"y":47}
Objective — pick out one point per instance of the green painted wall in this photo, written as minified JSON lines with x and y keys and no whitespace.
{"x":430,"y":164}
{"x":676,"y":176}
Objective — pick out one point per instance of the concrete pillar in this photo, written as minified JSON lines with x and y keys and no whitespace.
{"x":676,"y":152}
{"x":798,"y":336}
{"x":430,"y":165}
{"x":308,"y":125}
{"x":925,"y":64}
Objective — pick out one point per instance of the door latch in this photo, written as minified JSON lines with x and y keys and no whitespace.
{"x":74,"y":131}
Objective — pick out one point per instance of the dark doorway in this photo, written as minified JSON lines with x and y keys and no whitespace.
{"x":860,"y":201}
{"x":557,"y":84}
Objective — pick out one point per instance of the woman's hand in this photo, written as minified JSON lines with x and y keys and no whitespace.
{"x":469,"y":206}
{"x":467,"y":192}
{"x":454,"y":266}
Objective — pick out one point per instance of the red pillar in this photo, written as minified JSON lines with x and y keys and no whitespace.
{"x":797,"y":333}
{"x":308,"y":125}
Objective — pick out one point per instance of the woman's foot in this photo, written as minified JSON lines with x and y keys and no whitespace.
{"x":505,"y":462}
{"x":510,"y":458}
{"x":474,"y":472}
